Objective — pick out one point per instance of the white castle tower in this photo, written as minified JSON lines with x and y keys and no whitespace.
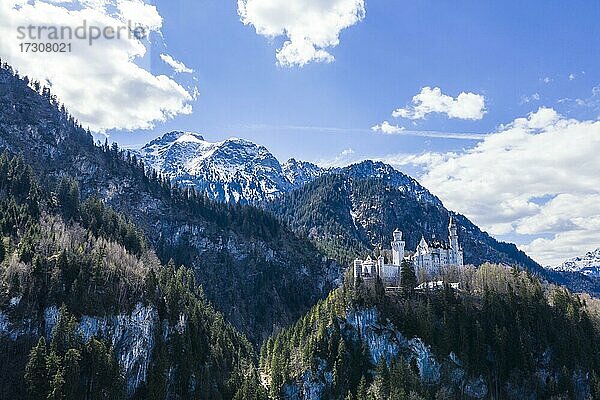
{"x":397,"y":248}
{"x":455,"y":254}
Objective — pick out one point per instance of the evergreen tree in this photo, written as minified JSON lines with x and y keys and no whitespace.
{"x":64,"y":335}
{"x":362,"y":390}
{"x":57,"y":387}
{"x":408,"y":278}
{"x":383,"y":380}
{"x":68,"y":197}
{"x":72,"y":373}
{"x":36,"y":372}
{"x":340,"y":368}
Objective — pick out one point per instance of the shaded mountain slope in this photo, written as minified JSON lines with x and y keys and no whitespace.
{"x":359,"y":209}
{"x":109,"y":320}
{"x":253,"y":268}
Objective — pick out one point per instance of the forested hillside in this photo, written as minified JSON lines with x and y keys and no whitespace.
{"x":504,"y":335}
{"x":252,"y":267}
{"x":87,"y":311}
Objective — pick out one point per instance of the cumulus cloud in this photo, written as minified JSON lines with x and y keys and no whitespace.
{"x":387,"y":128}
{"x":311,"y":28}
{"x":177,"y":66}
{"x":431,"y":100}
{"x":103,"y":84}
{"x":138,"y":11}
{"x":536,"y":176}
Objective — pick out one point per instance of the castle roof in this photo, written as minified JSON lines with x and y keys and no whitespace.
{"x":438,"y":244}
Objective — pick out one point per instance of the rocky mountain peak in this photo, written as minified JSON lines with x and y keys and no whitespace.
{"x":588,"y":264}
{"x":174,"y":136}
{"x":300,"y":172}
{"x":232,"y":170}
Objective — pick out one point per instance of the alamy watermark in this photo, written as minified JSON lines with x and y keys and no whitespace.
{"x":59,"y":39}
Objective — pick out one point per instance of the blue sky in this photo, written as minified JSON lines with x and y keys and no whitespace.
{"x":502,"y":50}
{"x":310,"y":79}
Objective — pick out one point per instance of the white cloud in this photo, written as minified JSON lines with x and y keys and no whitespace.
{"x":387,"y":128}
{"x":345,"y":157}
{"x":310,"y":27}
{"x":547,"y":80}
{"x":536,"y":176}
{"x":529,"y":99}
{"x":140,"y":12}
{"x":540,"y":119}
{"x":431,"y":100}
{"x":571,"y":77}
{"x":177,"y":66}
{"x":104,"y":84}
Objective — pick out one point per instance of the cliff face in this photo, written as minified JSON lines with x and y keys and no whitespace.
{"x":385,"y":342}
{"x":131,"y":335}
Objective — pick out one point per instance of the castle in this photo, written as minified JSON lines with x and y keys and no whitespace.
{"x":428,"y":258}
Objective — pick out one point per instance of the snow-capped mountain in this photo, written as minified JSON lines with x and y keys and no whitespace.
{"x":237,"y":170}
{"x":233,"y":170}
{"x":300,"y":172}
{"x":588,"y":264}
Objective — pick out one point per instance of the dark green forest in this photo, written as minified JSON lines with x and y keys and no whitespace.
{"x":505,"y":325}
{"x":84,"y":256}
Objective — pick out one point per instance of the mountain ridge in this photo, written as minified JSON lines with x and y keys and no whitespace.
{"x":233,"y":170}
{"x":254,"y":270}
{"x":293,"y":175}
{"x":359,"y":207}
{"x":588,"y":264}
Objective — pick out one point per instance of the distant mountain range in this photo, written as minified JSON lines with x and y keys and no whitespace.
{"x":588,"y":265}
{"x":352,"y":210}
{"x":239,"y":171}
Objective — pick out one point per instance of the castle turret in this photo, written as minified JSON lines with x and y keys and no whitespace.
{"x":380,"y":266}
{"x":358,"y":268}
{"x":453,"y":239}
{"x":397,"y":248}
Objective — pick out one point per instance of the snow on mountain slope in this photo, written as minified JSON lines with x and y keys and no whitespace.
{"x":233,"y":170}
{"x":300,"y":172}
{"x":237,"y":170}
{"x":588,"y":264}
